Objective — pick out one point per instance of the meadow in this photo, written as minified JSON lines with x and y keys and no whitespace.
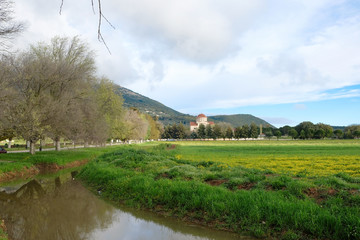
{"x":273,"y":189}
{"x":302,"y":158}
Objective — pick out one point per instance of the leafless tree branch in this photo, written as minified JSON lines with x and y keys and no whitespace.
{"x":101,"y":17}
{"x":8,"y":27}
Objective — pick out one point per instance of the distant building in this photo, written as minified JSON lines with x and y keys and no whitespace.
{"x":200,"y":119}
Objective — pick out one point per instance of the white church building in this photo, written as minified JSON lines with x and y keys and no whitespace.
{"x":200,"y":119}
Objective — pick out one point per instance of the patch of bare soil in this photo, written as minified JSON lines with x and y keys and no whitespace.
{"x":354,"y":191}
{"x":53,"y":167}
{"x":216,"y":182}
{"x":24,"y":173}
{"x":172,"y":146}
{"x":163,"y":175}
{"x":320,"y":195}
{"x":246,"y":186}
{"x":27,"y":172}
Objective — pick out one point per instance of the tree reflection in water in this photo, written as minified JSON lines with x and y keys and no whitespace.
{"x":62,"y":211}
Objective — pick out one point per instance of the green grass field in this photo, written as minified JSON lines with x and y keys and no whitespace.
{"x":313,"y":158}
{"x":246,"y":187}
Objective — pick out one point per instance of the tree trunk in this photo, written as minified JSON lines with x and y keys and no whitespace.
{"x":32,"y":147}
{"x":9,"y":144}
{"x":27,"y":144}
{"x":57,"y":144}
{"x":86,"y":144}
{"x":41,"y":144}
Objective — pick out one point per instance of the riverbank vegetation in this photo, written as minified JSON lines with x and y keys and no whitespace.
{"x":202,"y":182}
{"x":24,"y":165}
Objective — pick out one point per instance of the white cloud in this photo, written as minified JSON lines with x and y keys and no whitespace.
{"x":195,"y":55}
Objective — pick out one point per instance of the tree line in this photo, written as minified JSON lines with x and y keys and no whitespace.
{"x":220,"y":130}
{"x":304,"y":130}
{"x":52,"y":91}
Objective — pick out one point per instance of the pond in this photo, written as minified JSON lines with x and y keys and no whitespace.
{"x":59,"y":207}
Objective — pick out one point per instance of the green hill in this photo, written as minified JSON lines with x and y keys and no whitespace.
{"x":239,"y":119}
{"x":147,"y":105}
{"x":169,"y":116}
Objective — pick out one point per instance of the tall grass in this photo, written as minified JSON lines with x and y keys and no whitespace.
{"x":275,"y":205}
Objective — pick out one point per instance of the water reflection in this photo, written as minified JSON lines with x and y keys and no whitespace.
{"x":60,"y":208}
{"x":68,"y":212}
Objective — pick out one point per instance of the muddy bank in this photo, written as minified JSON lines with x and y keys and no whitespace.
{"x":27,"y":172}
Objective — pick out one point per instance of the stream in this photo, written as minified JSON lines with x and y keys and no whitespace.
{"x":58,"y":207}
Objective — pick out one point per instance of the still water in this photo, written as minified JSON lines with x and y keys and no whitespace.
{"x":58,"y":207}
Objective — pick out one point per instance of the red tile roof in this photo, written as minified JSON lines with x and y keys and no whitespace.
{"x":201,"y":115}
{"x":211,"y":123}
{"x":193,"y":124}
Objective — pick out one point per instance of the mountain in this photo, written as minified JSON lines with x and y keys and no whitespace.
{"x":239,"y":119}
{"x":147,"y":105}
{"x":169,"y":116}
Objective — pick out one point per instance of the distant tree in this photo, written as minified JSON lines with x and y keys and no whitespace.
{"x":308,"y":127}
{"x":223,"y":128}
{"x":216,"y":131}
{"x":181,"y":132}
{"x":319,"y":134}
{"x":338,"y":133}
{"x":277,"y":134}
{"x":229,"y":133}
{"x":350,"y":131}
{"x":302,"y":134}
{"x":348,"y":134}
{"x":193,"y":135}
{"x":254,"y":130}
{"x":174,"y":131}
{"x":285,"y":130}
{"x":154,"y":128}
{"x":245,"y":131}
{"x":201,"y":131}
{"x":328,"y":130}
{"x":356,"y":134}
{"x":208,"y":131}
{"x":293,"y":133}
{"x":166,"y":134}
{"x":269,"y":134}
{"x":237,"y":132}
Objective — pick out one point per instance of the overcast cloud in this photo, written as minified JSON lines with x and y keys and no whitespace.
{"x":198,"y":55}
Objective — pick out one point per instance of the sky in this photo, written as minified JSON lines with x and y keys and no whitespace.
{"x":283,"y":61}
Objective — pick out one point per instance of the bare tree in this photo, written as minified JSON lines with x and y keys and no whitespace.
{"x":72,"y":68}
{"x":43,"y":84}
{"x":8,"y":27}
{"x":27,"y":86}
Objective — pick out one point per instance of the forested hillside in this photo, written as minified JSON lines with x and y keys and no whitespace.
{"x":169,"y":116}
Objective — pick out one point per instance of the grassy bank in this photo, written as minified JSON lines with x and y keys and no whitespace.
{"x":13,"y":165}
{"x":211,"y":190}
